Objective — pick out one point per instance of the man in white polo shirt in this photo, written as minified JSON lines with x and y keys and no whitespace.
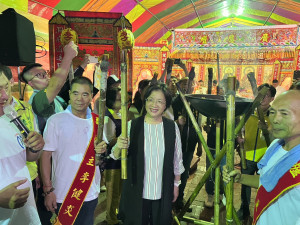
{"x":73,"y":189}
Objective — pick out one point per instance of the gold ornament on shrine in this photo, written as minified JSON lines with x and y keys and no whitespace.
{"x":68,"y":35}
{"x":125,"y":39}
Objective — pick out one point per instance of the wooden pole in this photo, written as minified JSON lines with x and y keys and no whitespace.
{"x":230,"y":124}
{"x":210,"y":78}
{"x":218,"y":67}
{"x":217,"y":177}
{"x":124,"y":112}
{"x":102,"y":104}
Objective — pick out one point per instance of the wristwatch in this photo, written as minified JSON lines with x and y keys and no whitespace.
{"x":177,"y":183}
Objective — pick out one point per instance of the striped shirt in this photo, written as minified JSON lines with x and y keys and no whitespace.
{"x":154,"y":150}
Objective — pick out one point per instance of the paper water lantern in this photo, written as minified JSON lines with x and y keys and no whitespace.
{"x":125,"y":39}
{"x":68,"y":35}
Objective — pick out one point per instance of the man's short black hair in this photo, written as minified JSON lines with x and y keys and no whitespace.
{"x":6,"y":71}
{"x":275,"y":81}
{"x":82,"y":80}
{"x":26,"y":69}
{"x":271,"y":88}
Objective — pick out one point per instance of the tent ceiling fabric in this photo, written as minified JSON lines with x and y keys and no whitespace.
{"x":152,"y":20}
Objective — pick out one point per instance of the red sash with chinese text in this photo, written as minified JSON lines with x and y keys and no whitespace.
{"x":264,"y":199}
{"x":81,"y":183}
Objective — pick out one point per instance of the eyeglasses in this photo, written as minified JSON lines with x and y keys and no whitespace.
{"x":43,"y":75}
{"x":158,"y":102}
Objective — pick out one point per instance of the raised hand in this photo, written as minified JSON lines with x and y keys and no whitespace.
{"x":70,"y":50}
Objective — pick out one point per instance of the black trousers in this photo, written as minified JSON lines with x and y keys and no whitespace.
{"x":151,"y":212}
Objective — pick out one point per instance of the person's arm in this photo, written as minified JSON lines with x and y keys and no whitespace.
{"x":183,"y":66}
{"x":167,"y":70}
{"x":34,"y":143}
{"x":80,"y":69}
{"x":11,"y":197}
{"x":109,"y":130}
{"x":59,"y":77}
{"x":177,"y":182}
{"x":245,"y":179}
{"x":51,"y":145}
{"x":178,"y":164}
{"x":45,"y":169}
{"x":122,"y":143}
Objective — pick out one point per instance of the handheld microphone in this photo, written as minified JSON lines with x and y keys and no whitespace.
{"x":10,"y":112}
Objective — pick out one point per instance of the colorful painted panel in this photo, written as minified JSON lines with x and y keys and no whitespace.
{"x":267,"y":36}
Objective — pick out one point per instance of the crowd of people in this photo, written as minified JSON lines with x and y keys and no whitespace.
{"x":49,"y":174}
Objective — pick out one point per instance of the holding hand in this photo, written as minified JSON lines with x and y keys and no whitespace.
{"x":262,"y":126}
{"x":169,"y":63}
{"x":240,"y":140}
{"x":70,"y":50}
{"x":101,"y":147}
{"x":34,"y":141}
{"x":11,"y":197}
{"x":236,"y":174}
{"x":85,"y":61}
{"x":122,"y":143}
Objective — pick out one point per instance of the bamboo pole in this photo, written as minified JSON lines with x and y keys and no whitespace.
{"x":102,"y":104}
{"x":216,"y":162}
{"x":230,"y":124}
{"x":217,"y":177}
{"x":124,"y":113}
{"x":196,"y":221}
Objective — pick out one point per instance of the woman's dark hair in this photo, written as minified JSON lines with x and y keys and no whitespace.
{"x":111,"y":96}
{"x":137,"y":100}
{"x":157,"y":87}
